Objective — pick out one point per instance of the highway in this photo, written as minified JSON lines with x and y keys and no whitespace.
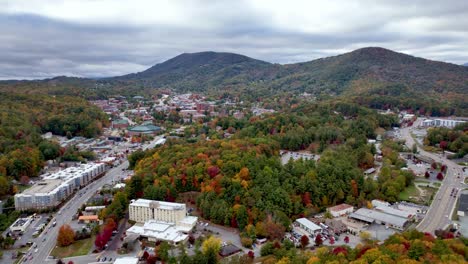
{"x":440,"y":211}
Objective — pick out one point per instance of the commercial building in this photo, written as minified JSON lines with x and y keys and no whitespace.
{"x":158,"y":220}
{"x":463,"y":205}
{"x":120,"y":124}
{"x":449,"y":123}
{"x":56,"y":187}
{"x":308,"y":225}
{"x":147,"y":129}
{"x":340,"y":210}
{"x":20,"y":224}
{"x":88,"y":219}
{"x":126,"y":260}
{"x":412,"y":208}
{"x":378,"y":217}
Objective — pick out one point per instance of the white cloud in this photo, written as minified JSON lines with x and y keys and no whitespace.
{"x":44,"y":38}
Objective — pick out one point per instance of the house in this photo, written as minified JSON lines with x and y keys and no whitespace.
{"x":340,"y":210}
{"x":229,"y":250}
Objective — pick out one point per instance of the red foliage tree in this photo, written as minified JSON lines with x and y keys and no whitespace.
{"x":346,"y":239}
{"x":443,"y":145}
{"x":427,"y":174}
{"x":306,"y":199}
{"x":151,"y":259}
{"x":339,"y":250}
{"x":434,"y":165}
{"x":443,"y":168}
{"x":304,"y":241}
{"x":24,"y":180}
{"x":332,"y":240}
{"x":251,"y":254}
{"x":440,"y":176}
{"x":318,"y":240}
{"x":145,"y":255}
{"x":213,"y":171}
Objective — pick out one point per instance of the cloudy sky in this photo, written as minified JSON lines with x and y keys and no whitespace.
{"x":95,"y":38}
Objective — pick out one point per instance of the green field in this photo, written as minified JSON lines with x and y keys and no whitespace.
{"x":79,"y":248}
{"x":408,"y":192}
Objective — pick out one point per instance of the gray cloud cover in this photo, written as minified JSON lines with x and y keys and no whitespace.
{"x":96,"y":38}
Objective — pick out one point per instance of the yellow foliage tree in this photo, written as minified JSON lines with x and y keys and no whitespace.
{"x":212,"y":244}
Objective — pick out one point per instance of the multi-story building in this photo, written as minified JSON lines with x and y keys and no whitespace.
{"x":143,"y":210}
{"x":56,"y":187}
{"x":160,"y":221}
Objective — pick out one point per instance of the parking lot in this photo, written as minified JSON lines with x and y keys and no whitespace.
{"x":32,"y":232}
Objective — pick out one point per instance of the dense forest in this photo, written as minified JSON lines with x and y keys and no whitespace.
{"x":242,"y":182}
{"x":23,"y":118}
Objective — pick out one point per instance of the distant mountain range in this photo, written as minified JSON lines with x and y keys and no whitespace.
{"x":364,"y":72}
{"x":466,"y":64}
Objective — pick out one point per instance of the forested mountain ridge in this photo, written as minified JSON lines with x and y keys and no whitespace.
{"x":373,"y":76}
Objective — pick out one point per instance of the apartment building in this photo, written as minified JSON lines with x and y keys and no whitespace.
{"x":56,"y":187}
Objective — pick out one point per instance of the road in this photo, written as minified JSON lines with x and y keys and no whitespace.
{"x":47,"y":240}
{"x":440,"y":211}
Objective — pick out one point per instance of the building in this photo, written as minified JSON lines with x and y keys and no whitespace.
{"x":160,"y":221}
{"x":120,"y":124}
{"x":143,"y":210}
{"x":54,"y":188}
{"x":412,"y":208}
{"x":307,"y":225}
{"x":154,"y":230}
{"x":373,"y":216}
{"x":340,"y":210}
{"x":126,"y":260}
{"x":463,"y":205}
{"x":20,"y":224}
{"x":449,"y":123}
{"x":229,"y":250}
{"x":88,"y":219}
{"x":146,"y":129}
{"x":89,"y":210}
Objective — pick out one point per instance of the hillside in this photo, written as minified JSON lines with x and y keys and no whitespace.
{"x":372,"y":76}
{"x":199,"y":72}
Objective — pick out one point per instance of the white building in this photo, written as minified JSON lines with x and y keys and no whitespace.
{"x":340,"y":210}
{"x":379,"y":217}
{"x":308,"y":225}
{"x":158,"y":220}
{"x":449,"y":123}
{"x":126,"y":260}
{"x":56,"y":187}
{"x":20,"y":224}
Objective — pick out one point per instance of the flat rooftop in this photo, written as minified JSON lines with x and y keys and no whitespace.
{"x":45,"y":186}
{"x":158,"y":204}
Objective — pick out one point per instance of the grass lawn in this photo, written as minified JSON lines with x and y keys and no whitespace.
{"x":79,"y":248}
{"x":407,"y":192}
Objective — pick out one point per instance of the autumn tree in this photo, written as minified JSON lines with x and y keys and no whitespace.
{"x":440,"y":176}
{"x":66,"y":236}
{"x":318,"y":240}
{"x":304,"y":241}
